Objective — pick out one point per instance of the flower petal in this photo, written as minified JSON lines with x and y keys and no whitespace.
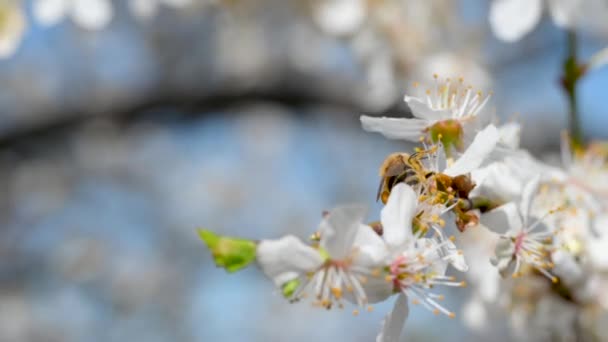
{"x":395,"y":128}
{"x":512,"y":19}
{"x":394,"y":321}
{"x":92,"y":14}
{"x":503,"y":259}
{"x":509,"y":135}
{"x":565,"y":13}
{"x":396,"y":216}
{"x":286,"y":258}
{"x":339,"y":229}
{"x":370,"y":246}
{"x":421,"y":110}
{"x":454,"y":256}
{"x":49,"y":12}
{"x":476,"y":154}
{"x":527,"y":197}
{"x":502,"y":219}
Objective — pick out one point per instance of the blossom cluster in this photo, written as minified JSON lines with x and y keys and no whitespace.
{"x":466,"y":187}
{"x":88,"y":14}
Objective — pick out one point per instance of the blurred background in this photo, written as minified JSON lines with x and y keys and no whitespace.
{"x":237,"y":116}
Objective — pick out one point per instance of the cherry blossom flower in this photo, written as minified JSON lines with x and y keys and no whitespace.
{"x":524,"y":242}
{"x":346,"y":260}
{"x":449,"y":112}
{"x":88,"y":14}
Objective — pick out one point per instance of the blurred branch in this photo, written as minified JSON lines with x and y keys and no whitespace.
{"x":571,"y":74}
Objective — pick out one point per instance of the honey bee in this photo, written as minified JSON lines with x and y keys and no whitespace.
{"x":399,"y":167}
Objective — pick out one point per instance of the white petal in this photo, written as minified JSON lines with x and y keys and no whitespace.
{"x":476,"y":154}
{"x":454,"y":257}
{"x":370,"y":246}
{"x":285,"y":258}
{"x":50,"y":12}
{"x":397,"y":215}
{"x":421,"y":110}
{"x":567,"y":269}
{"x":512,"y":19}
{"x":395,"y":128}
{"x":599,"y":59}
{"x":394,"y":321}
{"x":502,"y":219}
{"x":509,"y":135}
{"x":92,"y":14}
{"x":340,"y":17}
{"x":503,"y":259}
{"x":144,"y":9}
{"x":565,"y":13}
{"x":527,"y":197}
{"x":474,"y":314}
{"x":339,"y":229}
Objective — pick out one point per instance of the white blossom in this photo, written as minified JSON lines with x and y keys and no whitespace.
{"x":88,"y":14}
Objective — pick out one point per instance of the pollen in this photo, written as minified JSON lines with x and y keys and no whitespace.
{"x":555,"y":280}
{"x":337,"y":292}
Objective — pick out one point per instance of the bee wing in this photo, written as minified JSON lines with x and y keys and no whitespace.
{"x":395,"y":170}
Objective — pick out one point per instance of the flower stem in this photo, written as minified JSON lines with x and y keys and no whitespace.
{"x":572,"y":73}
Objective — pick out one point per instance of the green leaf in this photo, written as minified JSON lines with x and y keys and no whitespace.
{"x":232,"y":254}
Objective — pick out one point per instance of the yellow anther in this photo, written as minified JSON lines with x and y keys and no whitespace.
{"x":452,"y":238}
{"x":363,"y":280}
{"x":463,"y":284}
{"x":436,"y":312}
{"x":555,"y":280}
{"x":370,"y":308}
{"x":355,"y":312}
{"x":388,"y":278}
{"x":451,"y":315}
{"x":415,"y":301}
{"x":337,"y":292}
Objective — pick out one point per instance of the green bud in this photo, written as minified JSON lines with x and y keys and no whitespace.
{"x":230,"y":253}
{"x":449,"y":132}
{"x":290,"y":287}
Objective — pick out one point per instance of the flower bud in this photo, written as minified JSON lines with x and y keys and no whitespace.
{"x":230,"y":253}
